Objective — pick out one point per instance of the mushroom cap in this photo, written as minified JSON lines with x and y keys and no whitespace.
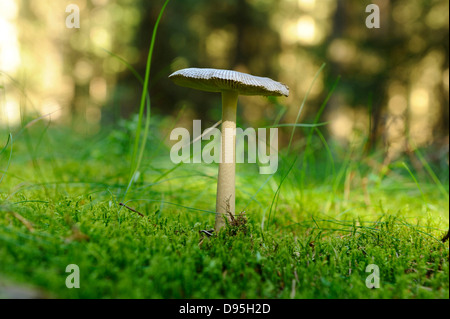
{"x":215,"y":80}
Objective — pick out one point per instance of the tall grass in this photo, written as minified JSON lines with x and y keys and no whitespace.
{"x":139,"y":146}
{"x":3,"y":150}
{"x":314,"y":127}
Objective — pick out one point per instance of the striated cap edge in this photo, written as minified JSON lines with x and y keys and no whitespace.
{"x":216,"y":80}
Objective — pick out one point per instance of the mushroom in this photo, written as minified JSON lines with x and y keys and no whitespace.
{"x":231,"y":84}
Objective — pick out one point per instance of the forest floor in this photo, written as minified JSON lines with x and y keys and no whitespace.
{"x":339,"y":219}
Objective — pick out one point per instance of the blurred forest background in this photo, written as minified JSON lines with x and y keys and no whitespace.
{"x":394,"y":84}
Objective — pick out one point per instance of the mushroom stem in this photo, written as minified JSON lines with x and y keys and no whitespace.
{"x":225,"y":201}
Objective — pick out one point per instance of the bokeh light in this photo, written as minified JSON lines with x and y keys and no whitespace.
{"x":84,"y":73}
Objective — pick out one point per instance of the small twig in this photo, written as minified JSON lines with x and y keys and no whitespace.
{"x":132,"y":209}
{"x":24,"y":221}
{"x":207,"y":232}
{"x":228,"y":209}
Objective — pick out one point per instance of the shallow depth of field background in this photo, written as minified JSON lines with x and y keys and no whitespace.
{"x":393,"y":88}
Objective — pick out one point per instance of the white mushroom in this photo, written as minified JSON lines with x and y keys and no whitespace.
{"x":231,"y":84}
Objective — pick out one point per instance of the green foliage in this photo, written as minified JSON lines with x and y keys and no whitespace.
{"x":73,"y":216}
{"x":139,"y":146}
{"x":9,"y":142}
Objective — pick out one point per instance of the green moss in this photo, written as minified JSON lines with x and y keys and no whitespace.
{"x":316,"y":245}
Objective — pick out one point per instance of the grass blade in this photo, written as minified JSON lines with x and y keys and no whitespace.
{"x":9,"y":141}
{"x":138,"y":149}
